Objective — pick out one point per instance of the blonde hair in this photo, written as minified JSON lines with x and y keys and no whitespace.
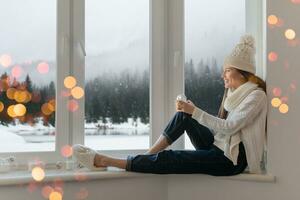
{"x":249,"y":77}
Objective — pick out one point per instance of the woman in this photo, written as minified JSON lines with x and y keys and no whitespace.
{"x":225,"y":145}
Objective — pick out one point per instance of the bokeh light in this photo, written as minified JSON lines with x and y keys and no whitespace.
{"x":16,"y":71}
{"x":20,"y":110}
{"x":290,"y":34}
{"x":5,"y":60}
{"x":46,"y":191}
{"x":72,"y":105}
{"x":43,"y":68}
{"x":283,"y":108}
{"x":45,"y":109}
{"x":55,"y":196}
{"x":38,"y":174}
{"x":11,"y":112}
{"x":1,"y":106}
{"x":70,"y":82}
{"x":66,"y":151}
{"x":77,"y":92}
{"x":51,"y":105}
{"x":272,"y":19}
{"x":272,"y":56}
{"x":276,"y":92}
{"x":20,"y":96}
{"x":276,"y":102}
{"x":10,"y":93}
{"x":295,"y":1}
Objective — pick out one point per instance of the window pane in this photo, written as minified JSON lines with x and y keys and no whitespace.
{"x":117,"y":74}
{"x":207,"y":43}
{"x":27,"y":70}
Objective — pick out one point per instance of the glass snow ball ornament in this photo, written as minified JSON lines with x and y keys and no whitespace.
{"x":181,"y":97}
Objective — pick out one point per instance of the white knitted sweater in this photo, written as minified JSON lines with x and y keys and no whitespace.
{"x":245,"y":123}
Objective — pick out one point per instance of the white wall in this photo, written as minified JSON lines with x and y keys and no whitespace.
{"x":111,"y":189}
{"x":283,"y":139}
{"x":284,"y":145}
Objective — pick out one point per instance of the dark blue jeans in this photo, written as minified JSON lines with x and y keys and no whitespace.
{"x":206,"y":159}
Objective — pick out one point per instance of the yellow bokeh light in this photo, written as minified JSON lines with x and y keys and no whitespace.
{"x":70,"y":82}
{"x":10,"y":93}
{"x":272,"y":56}
{"x":11,"y":112}
{"x":45,"y":109}
{"x":276,"y":102}
{"x":284,"y":108}
{"x":20,"y":110}
{"x":55,"y":196}
{"x":272,"y":19}
{"x":46,"y":191}
{"x":77,"y":92}
{"x":51,"y":105}
{"x":5,"y":60}
{"x":290,"y":34}
{"x":38,"y":174}
{"x":20,"y":96}
{"x":1,"y":106}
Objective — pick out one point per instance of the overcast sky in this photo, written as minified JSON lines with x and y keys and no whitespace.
{"x":114,"y":27}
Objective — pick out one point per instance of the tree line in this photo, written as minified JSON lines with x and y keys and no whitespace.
{"x":122,"y":95}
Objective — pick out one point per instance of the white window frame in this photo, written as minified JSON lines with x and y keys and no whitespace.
{"x":61,"y":114}
{"x":166,"y":69}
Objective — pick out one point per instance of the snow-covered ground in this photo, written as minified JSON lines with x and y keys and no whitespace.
{"x":24,"y":138}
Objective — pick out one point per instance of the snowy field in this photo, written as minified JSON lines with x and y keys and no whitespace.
{"x":26,"y":138}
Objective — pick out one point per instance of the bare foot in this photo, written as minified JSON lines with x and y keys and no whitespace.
{"x":100,"y":160}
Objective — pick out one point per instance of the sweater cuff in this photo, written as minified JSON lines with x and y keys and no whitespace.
{"x":197,"y":113}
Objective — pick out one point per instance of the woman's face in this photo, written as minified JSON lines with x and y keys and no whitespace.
{"x":232,"y":78}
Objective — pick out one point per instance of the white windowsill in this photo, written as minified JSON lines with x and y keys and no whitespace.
{"x":22,"y":177}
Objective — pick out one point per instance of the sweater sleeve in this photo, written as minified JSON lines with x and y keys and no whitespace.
{"x":243,"y":115}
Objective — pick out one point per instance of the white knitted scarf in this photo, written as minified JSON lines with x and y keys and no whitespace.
{"x":234,"y":98}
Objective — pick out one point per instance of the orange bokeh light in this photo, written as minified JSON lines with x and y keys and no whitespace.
{"x":72,"y":105}
{"x":11,"y":112}
{"x":51,"y":105}
{"x":1,"y":106}
{"x":272,"y":19}
{"x":10,"y":93}
{"x":272,"y":56}
{"x":70,"y":82}
{"x":55,"y":196}
{"x":43,"y":67}
{"x":16,"y":71}
{"x":20,"y":96}
{"x":66,"y":151}
{"x":5,"y":60}
{"x":77,"y":92}
{"x":38,"y":174}
{"x":45,"y":109}
{"x":284,"y":108}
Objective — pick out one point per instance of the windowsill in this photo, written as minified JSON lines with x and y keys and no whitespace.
{"x":22,"y":177}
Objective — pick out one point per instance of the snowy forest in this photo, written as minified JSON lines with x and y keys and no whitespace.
{"x":118,"y":96}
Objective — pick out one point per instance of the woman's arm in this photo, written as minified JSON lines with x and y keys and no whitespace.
{"x":244,"y":114}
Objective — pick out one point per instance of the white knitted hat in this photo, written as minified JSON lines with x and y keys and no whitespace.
{"x":243,"y":55}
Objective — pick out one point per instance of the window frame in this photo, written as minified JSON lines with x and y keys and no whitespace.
{"x":61,"y":114}
{"x":166,"y":51}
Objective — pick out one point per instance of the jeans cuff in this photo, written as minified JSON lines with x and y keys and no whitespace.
{"x":128,"y":164}
{"x":169,"y":140}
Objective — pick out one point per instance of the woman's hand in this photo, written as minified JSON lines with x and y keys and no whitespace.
{"x":186,"y":107}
